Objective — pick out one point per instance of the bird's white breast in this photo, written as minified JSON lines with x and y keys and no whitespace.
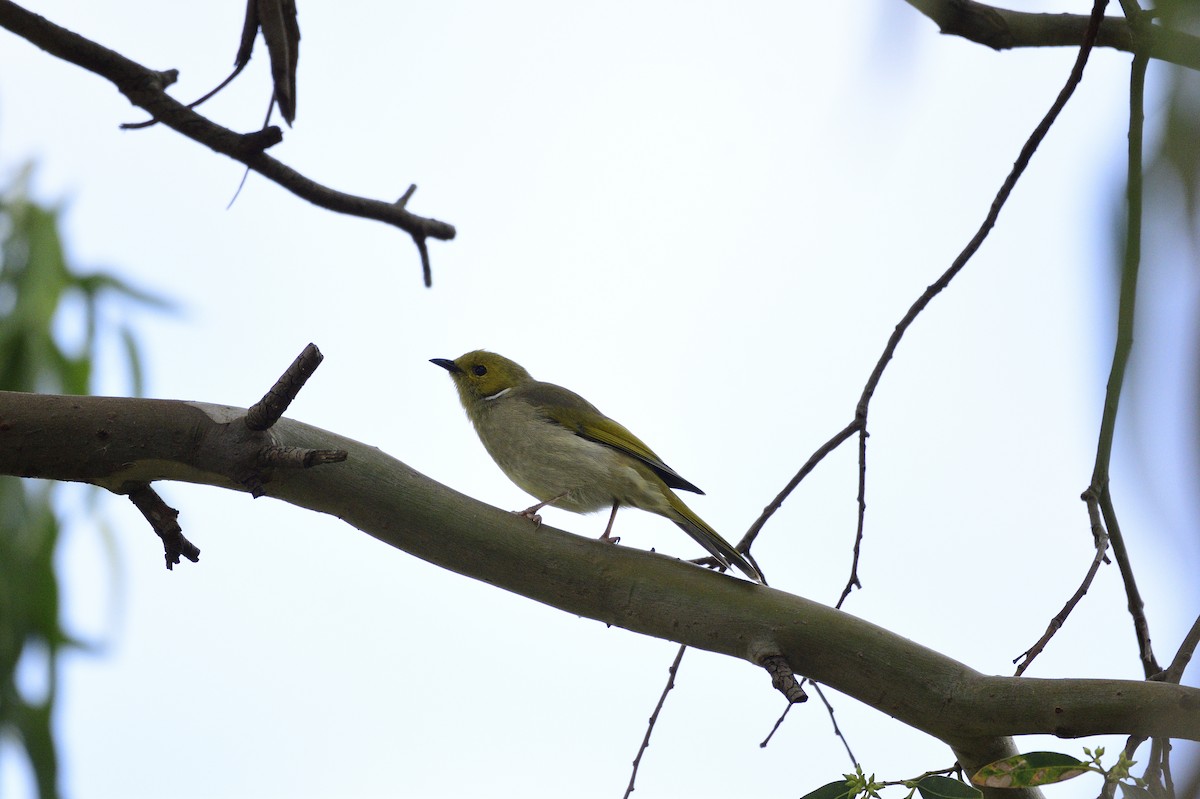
{"x":547,"y":460}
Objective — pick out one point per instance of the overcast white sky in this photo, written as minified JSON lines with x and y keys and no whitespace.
{"x":706,"y":218}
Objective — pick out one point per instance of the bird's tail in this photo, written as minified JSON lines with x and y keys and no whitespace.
{"x":708,"y":538}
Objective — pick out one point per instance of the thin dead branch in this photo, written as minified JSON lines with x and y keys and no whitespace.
{"x":145,"y":89}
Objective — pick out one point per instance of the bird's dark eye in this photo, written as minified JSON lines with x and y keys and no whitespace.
{"x":479,"y":370}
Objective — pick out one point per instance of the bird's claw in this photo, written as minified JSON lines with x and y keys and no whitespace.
{"x":530,"y":514}
{"x":610,"y":539}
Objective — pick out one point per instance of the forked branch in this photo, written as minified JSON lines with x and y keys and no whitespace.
{"x":859,"y":423}
{"x":145,"y":88}
{"x":1002,"y":29}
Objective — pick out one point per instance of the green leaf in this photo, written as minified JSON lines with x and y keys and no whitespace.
{"x":833,"y":790}
{"x":1029,"y":770}
{"x":94,"y":283}
{"x":936,"y":786}
{"x":43,"y":298}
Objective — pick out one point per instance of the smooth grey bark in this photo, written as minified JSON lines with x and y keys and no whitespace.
{"x":116,"y":443}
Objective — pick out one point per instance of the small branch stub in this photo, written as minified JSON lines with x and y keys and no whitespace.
{"x":259,"y":140}
{"x":267,"y":411}
{"x":784,"y":679}
{"x":407,"y":195}
{"x":164,"y":78}
{"x":162,"y":518}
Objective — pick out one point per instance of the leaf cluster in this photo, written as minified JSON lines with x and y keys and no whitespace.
{"x":1028,"y":770}
{"x":40,"y":295}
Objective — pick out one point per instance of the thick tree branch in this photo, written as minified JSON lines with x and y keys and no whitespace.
{"x":60,"y":438}
{"x":1002,"y":29}
{"x":144,"y":88}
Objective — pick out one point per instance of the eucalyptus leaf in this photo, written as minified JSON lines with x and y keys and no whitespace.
{"x":936,"y":786}
{"x":833,"y":790}
{"x":1029,"y":770}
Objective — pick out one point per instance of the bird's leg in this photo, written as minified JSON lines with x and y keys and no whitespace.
{"x":608,"y":536}
{"x":531,"y":512}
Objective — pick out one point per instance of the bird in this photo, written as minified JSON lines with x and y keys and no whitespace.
{"x":561,"y":449}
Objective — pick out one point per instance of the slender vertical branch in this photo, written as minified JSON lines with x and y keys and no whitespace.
{"x":1187,"y":649}
{"x":775,"y":728}
{"x":1127,"y":302}
{"x":859,"y":423}
{"x":853,"y":580}
{"x":1101,"y":537}
{"x":854,"y":761}
{"x":637,"y":761}
{"x":989,"y":221}
{"x":818,"y":456}
{"x":1137,"y":607}
{"x":1126,"y":311}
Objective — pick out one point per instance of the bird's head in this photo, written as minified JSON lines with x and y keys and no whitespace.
{"x":481,"y":376}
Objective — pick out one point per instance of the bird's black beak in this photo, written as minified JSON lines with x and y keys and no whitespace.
{"x":447,"y":364}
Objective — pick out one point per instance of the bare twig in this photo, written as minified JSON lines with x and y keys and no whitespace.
{"x":1101,"y":513}
{"x":993,"y":214}
{"x":1002,"y":29}
{"x":1158,"y":769}
{"x":778,"y":723}
{"x":859,"y":424}
{"x":422,"y":248}
{"x":266,"y":127}
{"x":1137,"y":607}
{"x":193,"y":104}
{"x":1174,"y":672}
{"x":268,"y":410}
{"x":162,"y":518}
{"x":818,"y":456}
{"x":637,"y":761}
{"x":1056,"y":623}
{"x":407,"y":195}
{"x":423,"y":252}
{"x":853,"y":581}
{"x":144,"y":89}
{"x":1163,"y":768}
{"x":832,"y":720}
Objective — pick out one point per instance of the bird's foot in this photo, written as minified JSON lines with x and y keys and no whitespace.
{"x":610,"y":539}
{"x":531,"y":514}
